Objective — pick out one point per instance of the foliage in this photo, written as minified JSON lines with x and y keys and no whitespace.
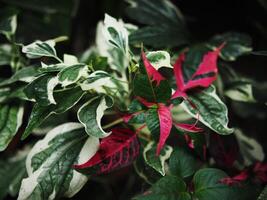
{"x":147,"y":97}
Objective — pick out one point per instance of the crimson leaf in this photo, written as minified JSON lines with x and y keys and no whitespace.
{"x":165,"y":123}
{"x":204,"y":75}
{"x":118,"y":150}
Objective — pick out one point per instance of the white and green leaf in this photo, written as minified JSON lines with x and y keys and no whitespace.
{"x":212,"y":112}
{"x":66,"y":99}
{"x":159,"y":59}
{"x":112,"y":42}
{"x":241,"y":92}
{"x":96,"y":81}
{"x":91,"y":113}
{"x":10,"y":121}
{"x":154,"y":161}
{"x":250,"y":149}
{"x":39,"y":49}
{"x":41,"y":89}
{"x":49,"y":163}
{"x":26,"y":74}
{"x":72,"y":74}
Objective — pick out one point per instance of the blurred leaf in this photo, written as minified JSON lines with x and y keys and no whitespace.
{"x":236,"y":44}
{"x":182,"y":164}
{"x":165,"y":23}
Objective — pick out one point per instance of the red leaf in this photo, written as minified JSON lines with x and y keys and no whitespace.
{"x":207,"y":66}
{"x":188,"y":127}
{"x":260,"y":171}
{"x":118,"y":150}
{"x":151,"y":71}
{"x":145,"y":102}
{"x":236,"y":179}
{"x":165,"y":122}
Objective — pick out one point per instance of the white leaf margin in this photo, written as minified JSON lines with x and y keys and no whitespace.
{"x":78,"y":180}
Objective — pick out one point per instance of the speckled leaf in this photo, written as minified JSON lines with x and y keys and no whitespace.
{"x":154,"y":161}
{"x":212,"y":111}
{"x":49,"y":163}
{"x":10,"y":121}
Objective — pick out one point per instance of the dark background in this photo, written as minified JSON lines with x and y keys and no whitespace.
{"x":45,"y":19}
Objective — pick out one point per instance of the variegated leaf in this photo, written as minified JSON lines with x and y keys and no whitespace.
{"x":159,"y":59}
{"x":212,"y":112}
{"x":154,"y":161}
{"x":72,"y":74}
{"x":91,"y":113}
{"x":39,"y":113}
{"x":41,"y":89}
{"x":39,"y":49}
{"x":10,"y":121}
{"x":49,"y":163}
{"x":112,"y":42}
{"x":118,"y":150}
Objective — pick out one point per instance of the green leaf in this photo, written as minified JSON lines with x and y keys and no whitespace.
{"x":152,"y":122}
{"x":8,"y":26}
{"x":39,"y":49}
{"x":10,"y":121}
{"x":182,"y":163}
{"x":167,"y":188}
{"x":11,"y":179}
{"x":90,"y":115}
{"x":26,"y":74}
{"x":41,"y":89}
{"x":236,"y":44}
{"x":112,"y":42}
{"x":49,"y":163}
{"x":72,"y":74}
{"x":143,"y":87}
{"x":212,"y":111}
{"x":263,"y":195}
{"x":154,"y":161}
{"x":165,"y":23}
{"x":207,"y":185}
{"x":66,"y":99}
{"x":5,"y":54}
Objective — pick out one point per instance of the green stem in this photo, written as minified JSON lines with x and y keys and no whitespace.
{"x":118,"y":121}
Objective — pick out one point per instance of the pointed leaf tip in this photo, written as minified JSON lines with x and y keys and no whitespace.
{"x":118,"y":150}
{"x":204,"y":76}
{"x":165,"y":121}
{"x":151,"y":71}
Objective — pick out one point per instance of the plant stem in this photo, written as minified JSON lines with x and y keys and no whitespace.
{"x":118,"y":121}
